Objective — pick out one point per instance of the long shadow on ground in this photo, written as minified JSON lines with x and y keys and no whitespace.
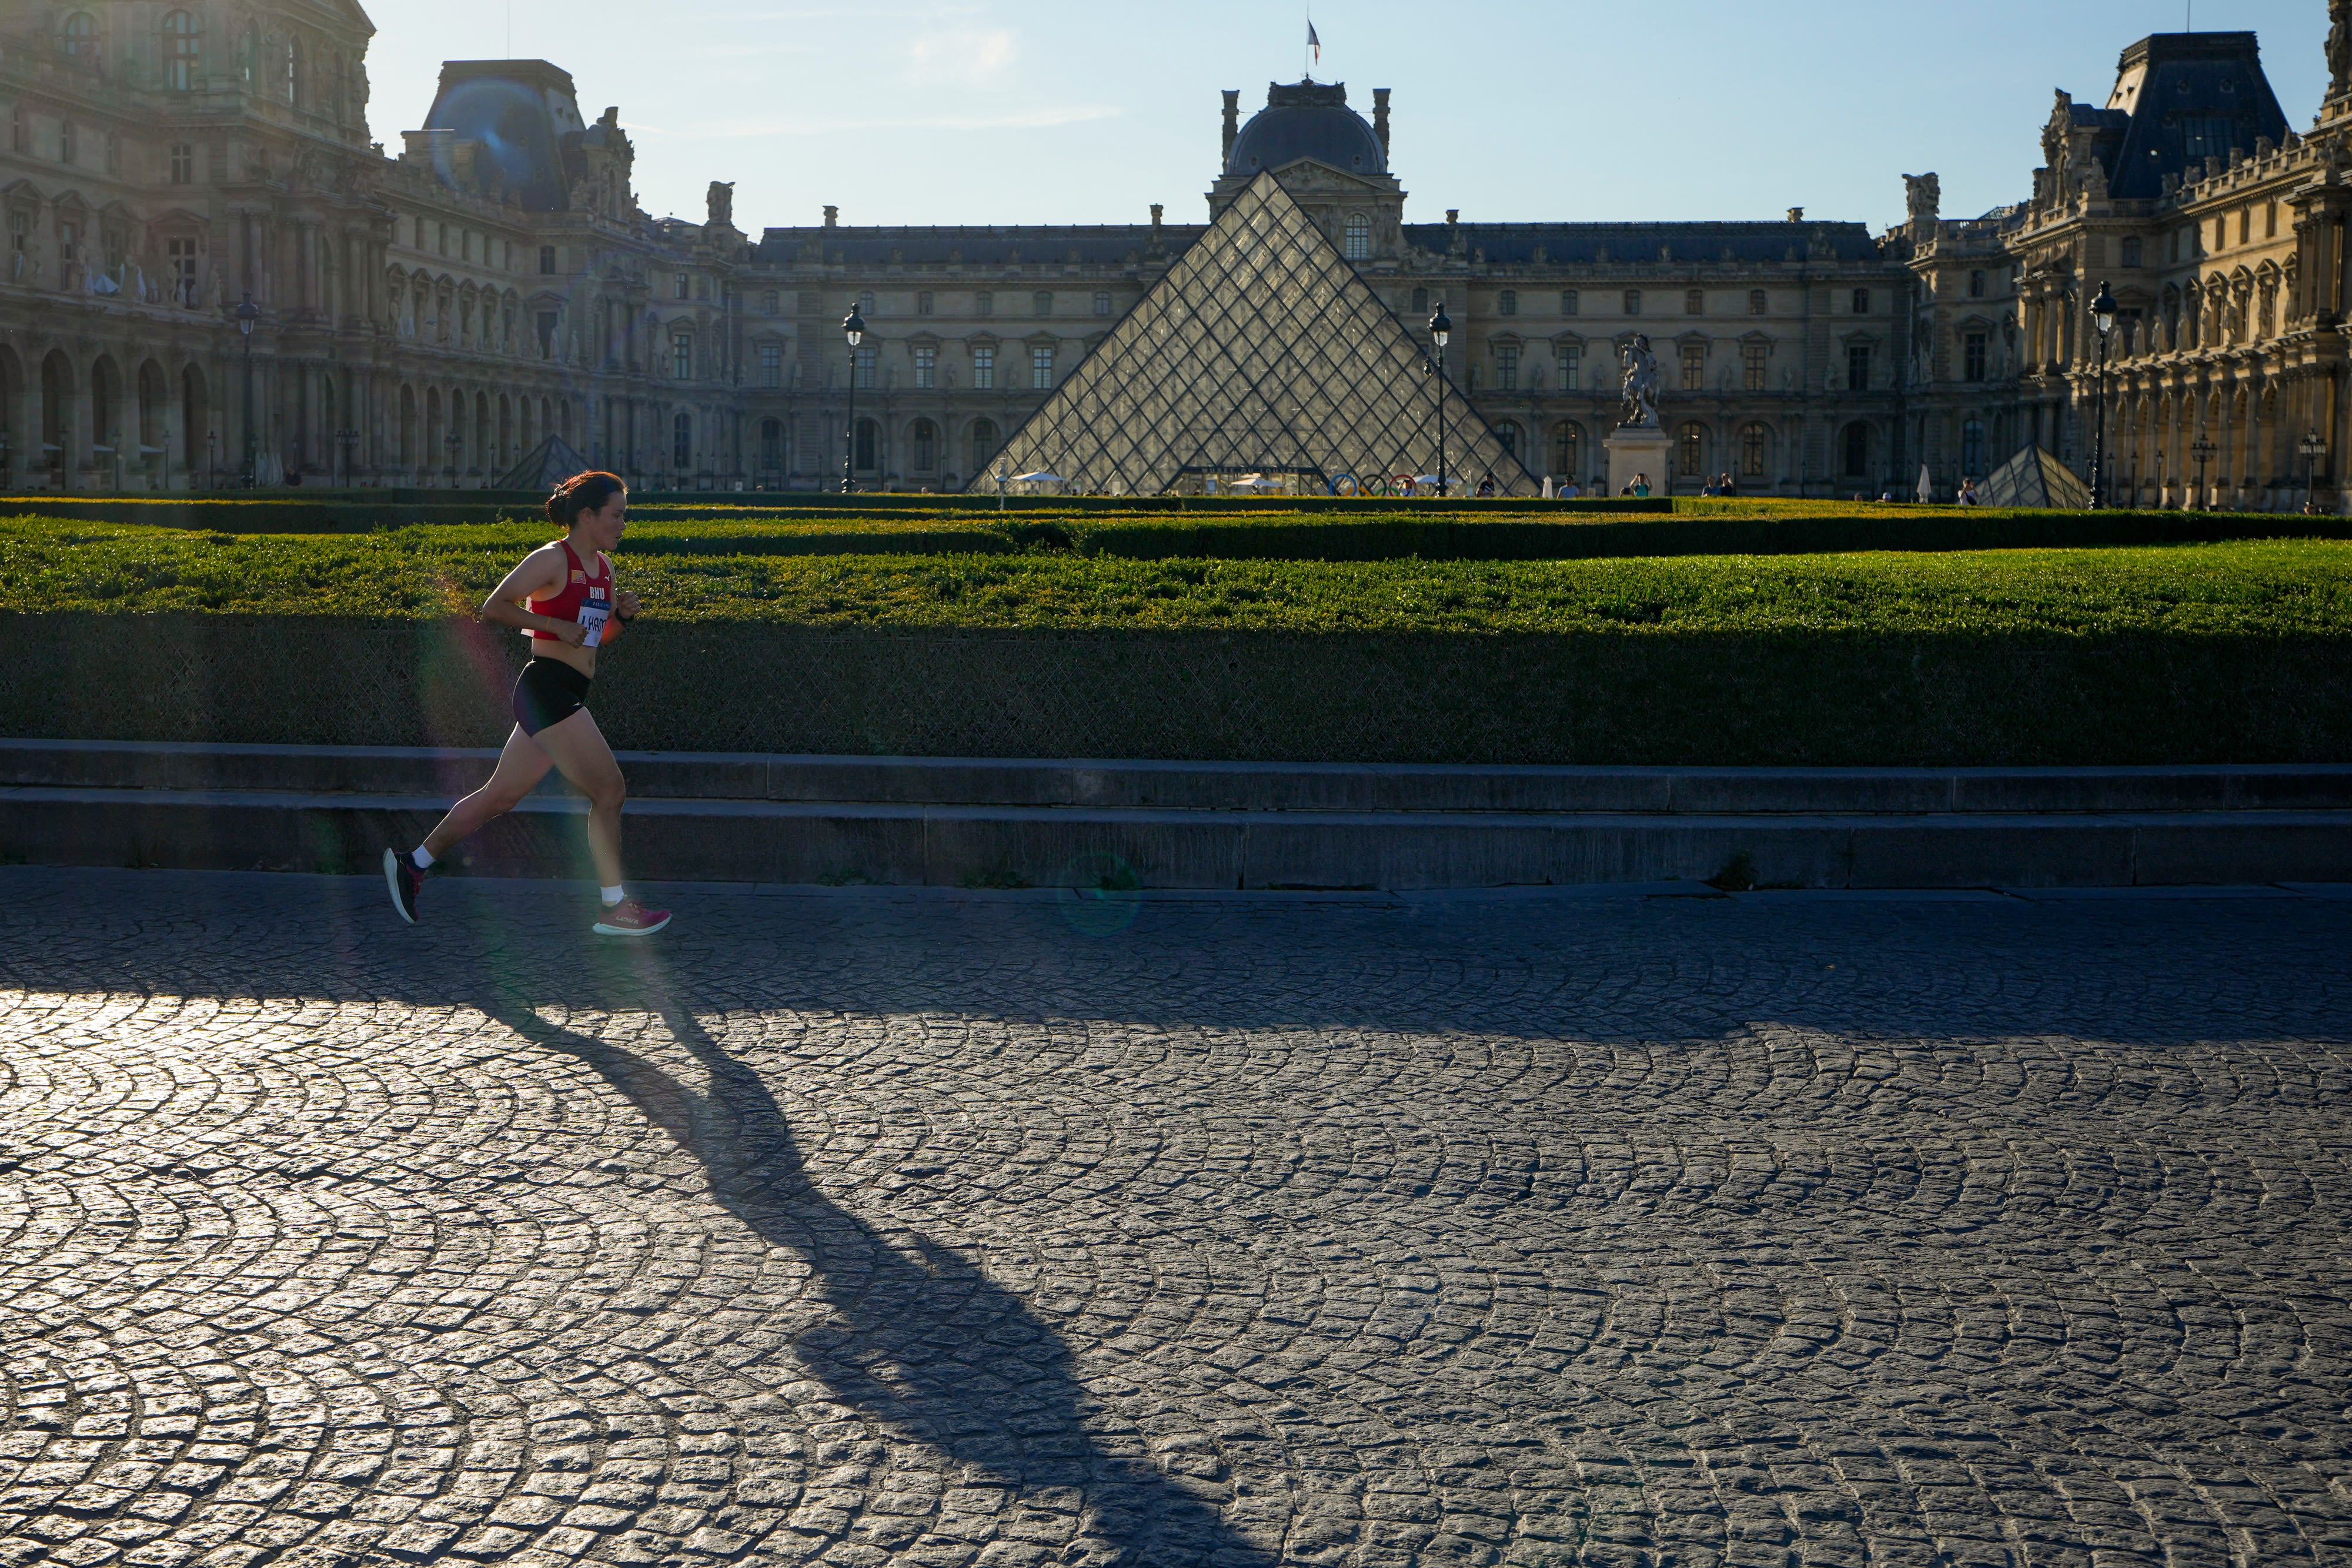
{"x":920,"y":1340}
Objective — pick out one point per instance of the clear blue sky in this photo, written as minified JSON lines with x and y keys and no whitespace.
{"x":1077,"y":111}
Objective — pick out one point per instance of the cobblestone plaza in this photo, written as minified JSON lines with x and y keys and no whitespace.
{"x":872,"y":1228}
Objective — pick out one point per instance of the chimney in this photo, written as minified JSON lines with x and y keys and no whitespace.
{"x":1796,"y":215}
{"x":1156,"y":210}
{"x":833,"y":217}
{"x":1233,"y":122}
{"x":1452,"y":216}
{"x":1380,"y":118}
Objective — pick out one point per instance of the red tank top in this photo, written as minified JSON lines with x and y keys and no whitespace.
{"x":585,"y":597}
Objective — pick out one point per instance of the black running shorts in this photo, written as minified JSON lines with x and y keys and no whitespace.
{"x":549,"y":691}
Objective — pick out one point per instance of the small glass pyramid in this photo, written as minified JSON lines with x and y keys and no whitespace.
{"x":1262,"y":352}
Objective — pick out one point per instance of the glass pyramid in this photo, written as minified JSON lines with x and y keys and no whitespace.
{"x":1261,"y":352}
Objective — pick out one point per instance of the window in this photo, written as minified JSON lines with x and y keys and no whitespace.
{"x":69,"y":142}
{"x":1976,"y":286}
{"x":2270,"y":224}
{"x":1972,"y":448}
{"x":1506,"y":367}
{"x":1972,"y":357}
{"x":1695,"y":302}
{"x":1567,"y":450}
{"x":869,"y":437}
{"x":1694,"y":367}
{"x":683,"y":286}
{"x":984,"y":305}
{"x":80,"y":37}
{"x":1041,"y":368}
{"x":1758,"y":302}
{"x":1509,"y":434}
{"x":1507,"y":302}
{"x":1862,"y":301}
{"x":547,"y":334}
{"x":927,"y":367}
{"x":2133,"y":252}
{"x":1754,"y":444}
{"x":1568,"y":301}
{"x":2221,"y":232}
{"x":1857,"y":450}
{"x":1690,"y":450}
{"x":681,"y":444}
{"x":113,"y":153}
{"x":861,"y":359}
{"x":441,"y":233}
{"x":2208,"y":136}
{"x":1041,"y":303}
{"x":983,"y":367}
{"x":1358,"y":246}
{"x":1857,"y":367}
{"x":772,"y":364}
{"x":924,"y":438}
{"x":180,"y":52}
{"x":771,"y":303}
{"x":20,"y":136}
{"x":1102,"y":301}
{"x":183,"y":163}
{"x":984,"y":442}
{"x":681,"y":356}
{"x":2245,"y":226}
{"x":1571,"y":368}
{"x":1632,"y":302}
{"x":1755,"y":365}
{"x":865,"y":304}
{"x":180,"y":271}
{"x":547,"y":262}
{"x":923,"y":303}
{"x":771,"y":446}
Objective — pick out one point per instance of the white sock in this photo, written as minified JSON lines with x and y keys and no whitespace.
{"x":611,"y":895}
{"x":421,"y":858}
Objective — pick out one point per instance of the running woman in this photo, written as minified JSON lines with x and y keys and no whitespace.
{"x":563,"y":598}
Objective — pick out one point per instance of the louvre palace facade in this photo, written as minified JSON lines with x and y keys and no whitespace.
{"x":424,"y":314}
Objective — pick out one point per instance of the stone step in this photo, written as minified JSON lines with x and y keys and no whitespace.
{"x":949,"y":844}
{"x":1208,"y":786}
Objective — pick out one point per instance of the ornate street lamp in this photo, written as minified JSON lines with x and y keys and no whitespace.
{"x":2314,"y":447}
{"x":2202,"y":450}
{"x":453,"y":440}
{"x":344,"y":441}
{"x":247,"y":313}
{"x":2104,"y":311}
{"x":1440,"y":328}
{"x":852,"y":327}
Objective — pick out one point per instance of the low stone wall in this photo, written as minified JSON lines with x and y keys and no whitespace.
{"x":1629,"y":698}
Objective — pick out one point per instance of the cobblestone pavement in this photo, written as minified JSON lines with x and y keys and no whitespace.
{"x":881,"y":1229}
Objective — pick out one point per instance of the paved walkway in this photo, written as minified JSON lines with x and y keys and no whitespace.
{"x":885,"y":1230}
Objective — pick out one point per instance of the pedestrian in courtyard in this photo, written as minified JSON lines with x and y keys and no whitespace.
{"x":563,"y":598}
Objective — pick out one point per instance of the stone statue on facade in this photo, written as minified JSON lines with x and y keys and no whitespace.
{"x":722,"y":203}
{"x":1924,"y":197}
{"x":1640,"y":385}
{"x":2339,"y":49}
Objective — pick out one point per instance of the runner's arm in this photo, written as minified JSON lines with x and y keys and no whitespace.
{"x":540,"y":571}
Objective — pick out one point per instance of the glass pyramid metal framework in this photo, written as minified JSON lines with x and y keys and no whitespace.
{"x":1261,"y":352}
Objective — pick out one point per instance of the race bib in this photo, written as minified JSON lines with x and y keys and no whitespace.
{"x":595,"y":610}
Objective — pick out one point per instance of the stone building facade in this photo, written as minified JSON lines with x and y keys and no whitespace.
{"x":424,"y":315}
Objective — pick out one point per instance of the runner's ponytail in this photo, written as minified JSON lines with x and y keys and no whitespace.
{"x":582,"y":493}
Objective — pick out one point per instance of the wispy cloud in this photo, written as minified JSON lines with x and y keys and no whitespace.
{"x":970,"y":55}
{"x":1023,"y":119}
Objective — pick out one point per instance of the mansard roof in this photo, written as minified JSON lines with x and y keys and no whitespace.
{"x":1518,"y":244}
{"x":2181,"y":97}
{"x":519,"y":114}
{"x":975,"y":245}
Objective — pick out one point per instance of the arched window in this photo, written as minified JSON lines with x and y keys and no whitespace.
{"x":80,"y":37}
{"x":1507,"y":304}
{"x":1690,"y":450}
{"x":1857,"y":450}
{"x":1972,"y":449}
{"x":771,"y":446}
{"x":1567,"y":449}
{"x":984,"y":442}
{"x":924,"y":437}
{"x":1359,"y":237}
{"x":179,"y":44}
{"x":1755,"y":450}
{"x":682,"y":452}
{"x":869,"y":438}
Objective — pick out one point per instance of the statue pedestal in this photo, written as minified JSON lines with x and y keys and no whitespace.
{"x":1637,"y":449}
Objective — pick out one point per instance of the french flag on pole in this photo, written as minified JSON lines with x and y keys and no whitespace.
{"x":1313,"y":42}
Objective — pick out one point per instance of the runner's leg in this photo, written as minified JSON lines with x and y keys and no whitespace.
{"x":520,"y":768}
{"x":582,"y":757}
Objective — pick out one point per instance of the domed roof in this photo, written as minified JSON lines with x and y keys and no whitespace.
{"x":1309,"y":119}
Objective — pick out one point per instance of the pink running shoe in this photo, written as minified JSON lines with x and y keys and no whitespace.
{"x":630,"y":918}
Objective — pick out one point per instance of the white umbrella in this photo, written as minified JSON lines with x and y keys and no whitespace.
{"x":1040,"y":477}
{"x":1927,"y":486}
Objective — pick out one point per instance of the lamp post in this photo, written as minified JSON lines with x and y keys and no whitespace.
{"x":852,"y":327}
{"x":247,"y":313}
{"x":2202,"y":450}
{"x":2314,"y":447}
{"x":2104,"y":311}
{"x":1440,"y":328}
{"x":212,"y":459}
{"x":453,"y":441}
{"x":344,"y":441}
